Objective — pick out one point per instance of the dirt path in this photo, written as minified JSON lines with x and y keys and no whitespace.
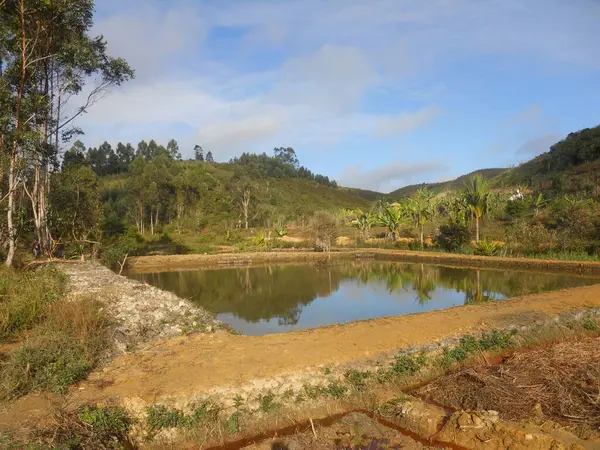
{"x":181,"y":369}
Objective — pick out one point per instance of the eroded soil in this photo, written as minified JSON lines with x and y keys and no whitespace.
{"x":179,"y":370}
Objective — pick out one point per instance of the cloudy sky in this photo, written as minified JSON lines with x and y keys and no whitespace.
{"x":374,"y":93}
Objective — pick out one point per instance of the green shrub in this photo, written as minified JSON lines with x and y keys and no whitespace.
{"x":25,"y":298}
{"x":452,"y":236}
{"x":407,"y":364}
{"x":60,"y":352}
{"x":268,"y":403}
{"x":108,"y":423}
{"x":160,"y":417}
{"x":358,"y":378}
{"x":487,"y":248}
{"x":49,"y":362}
{"x":335,"y":389}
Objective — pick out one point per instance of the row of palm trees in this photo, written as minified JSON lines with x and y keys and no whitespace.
{"x":472,"y":203}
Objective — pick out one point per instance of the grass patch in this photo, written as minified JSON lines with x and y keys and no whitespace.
{"x":469,"y":345}
{"x":98,"y":427}
{"x":25,"y":298}
{"x":161,"y":417}
{"x":61,"y":351}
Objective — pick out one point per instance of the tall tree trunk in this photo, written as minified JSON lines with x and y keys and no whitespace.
{"x":477,"y":229}
{"x":151,"y":223}
{"x":9,"y":217}
{"x":12,"y":179}
{"x":422,"y":242}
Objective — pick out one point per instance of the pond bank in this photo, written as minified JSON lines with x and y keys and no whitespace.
{"x":179,"y":370}
{"x":185,"y":369}
{"x":140,"y":312}
{"x":173,"y":262}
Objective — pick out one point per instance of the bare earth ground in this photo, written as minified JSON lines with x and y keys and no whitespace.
{"x":178,"y":370}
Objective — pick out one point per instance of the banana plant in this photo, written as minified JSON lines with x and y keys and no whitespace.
{"x":538,"y":203}
{"x":363,"y":221}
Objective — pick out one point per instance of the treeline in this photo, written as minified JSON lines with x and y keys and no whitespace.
{"x":104,"y":160}
{"x":47,"y":57}
{"x":577,"y":148}
{"x":284,"y":164}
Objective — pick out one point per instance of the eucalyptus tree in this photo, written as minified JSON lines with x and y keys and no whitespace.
{"x":476,"y":194}
{"x":46,"y":59}
{"x":421,"y":209}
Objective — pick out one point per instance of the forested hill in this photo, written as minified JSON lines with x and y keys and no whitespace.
{"x":150,"y":186}
{"x":571,"y":166}
{"x":457,"y":183}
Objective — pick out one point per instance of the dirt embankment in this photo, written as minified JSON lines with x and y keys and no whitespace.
{"x":182,"y":369}
{"x":140,"y":312}
{"x":172,"y":262}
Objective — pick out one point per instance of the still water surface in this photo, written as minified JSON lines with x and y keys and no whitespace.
{"x":274,"y":299}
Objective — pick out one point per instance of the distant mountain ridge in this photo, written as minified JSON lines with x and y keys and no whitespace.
{"x":451,"y":185}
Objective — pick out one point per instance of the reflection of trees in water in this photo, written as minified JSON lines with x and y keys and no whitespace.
{"x":282,"y":292}
{"x":252,"y":293}
{"x":478,"y":285}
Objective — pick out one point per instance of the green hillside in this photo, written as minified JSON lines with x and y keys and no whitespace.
{"x":194,"y":195}
{"x":571,"y":166}
{"x":457,"y":183}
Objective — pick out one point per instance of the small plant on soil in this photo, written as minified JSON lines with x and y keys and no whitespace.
{"x":97,"y":427}
{"x":108,"y":423}
{"x":335,"y":389}
{"x":358,"y":379}
{"x":160,"y":417}
{"x":268,"y":403}
{"x":407,"y":364}
{"x":232,"y":423}
{"x":590,"y":324}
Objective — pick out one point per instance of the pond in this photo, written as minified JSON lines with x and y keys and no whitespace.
{"x":274,"y":299}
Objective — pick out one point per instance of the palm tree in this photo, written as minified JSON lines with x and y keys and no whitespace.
{"x":476,"y":193}
{"x":421,"y":208}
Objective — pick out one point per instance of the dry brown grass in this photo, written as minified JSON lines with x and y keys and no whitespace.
{"x":560,"y":383}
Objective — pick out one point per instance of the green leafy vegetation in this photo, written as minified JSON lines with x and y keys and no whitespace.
{"x":25,"y":298}
{"x":63,"y":349}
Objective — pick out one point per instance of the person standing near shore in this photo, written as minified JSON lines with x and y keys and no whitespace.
{"x":36,"y":249}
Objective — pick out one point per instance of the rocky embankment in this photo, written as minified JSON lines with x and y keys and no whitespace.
{"x":140,"y":312}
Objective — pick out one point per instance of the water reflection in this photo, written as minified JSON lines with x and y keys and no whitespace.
{"x":260,"y":300}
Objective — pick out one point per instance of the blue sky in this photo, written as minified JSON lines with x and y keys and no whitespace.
{"x":374,"y":93}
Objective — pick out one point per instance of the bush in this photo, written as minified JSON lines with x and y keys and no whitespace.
{"x":452,"y":236}
{"x":324,"y":230}
{"x":25,"y":298}
{"x":486,"y":248}
{"x":97,"y":427}
{"x":527,"y":238}
{"x":130,"y":244}
{"x":63,"y":350}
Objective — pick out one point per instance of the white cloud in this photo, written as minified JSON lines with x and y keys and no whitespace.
{"x":391,"y":176}
{"x":406,"y":122}
{"x":324,"y":57}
